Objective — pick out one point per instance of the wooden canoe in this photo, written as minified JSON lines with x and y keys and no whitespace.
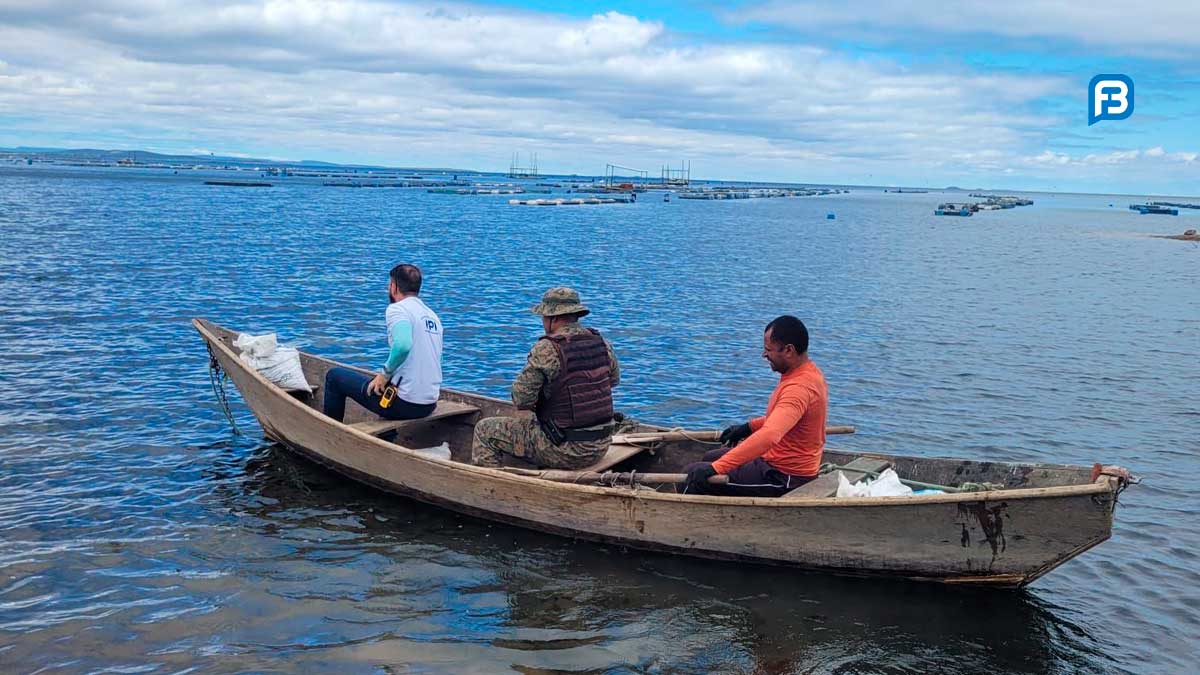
{"x":1044,"y":515}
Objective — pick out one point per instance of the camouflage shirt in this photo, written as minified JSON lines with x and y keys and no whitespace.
{"x":543,"y":365}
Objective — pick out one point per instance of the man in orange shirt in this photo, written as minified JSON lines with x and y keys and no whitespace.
{"x":768,"y":456}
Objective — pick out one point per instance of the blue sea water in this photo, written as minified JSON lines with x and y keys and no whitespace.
{"x":138,"y":534}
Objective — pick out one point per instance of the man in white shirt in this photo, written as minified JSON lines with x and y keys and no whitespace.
{"x":414,"y":363}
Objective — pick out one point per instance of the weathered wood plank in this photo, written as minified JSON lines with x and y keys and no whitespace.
{"x":301,"y":394}
{"x":443,"y":410}
{"x":827,"y":485}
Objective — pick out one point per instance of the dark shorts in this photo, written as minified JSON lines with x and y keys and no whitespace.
{"x":755,"y":478}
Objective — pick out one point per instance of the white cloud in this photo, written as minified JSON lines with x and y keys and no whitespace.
{"x":1115,"y":157}
{"x":1152,"y":27}
{"x":1144,"y":158}
{"x":1051,"y":157}
{"x":357,"y":35}
{"x":465,"y":85}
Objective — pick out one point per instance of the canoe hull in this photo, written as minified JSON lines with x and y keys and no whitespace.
{"x":999,"y":538}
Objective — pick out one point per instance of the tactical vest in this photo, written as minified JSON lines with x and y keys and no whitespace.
{"x":581,"y":394}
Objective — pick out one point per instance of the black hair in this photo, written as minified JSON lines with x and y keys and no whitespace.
{"x":788,"y":330}
{"x":407,"y":278}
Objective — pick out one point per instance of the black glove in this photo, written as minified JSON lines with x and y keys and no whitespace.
{"x":735,"y":434}
{"x":697,"y":479}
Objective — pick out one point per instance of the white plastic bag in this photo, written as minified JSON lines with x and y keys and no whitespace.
{"x":845,"y":489}
{"x":887,"y":485}
{"x":280,"y":365}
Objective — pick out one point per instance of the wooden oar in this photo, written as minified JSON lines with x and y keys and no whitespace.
{"x":705,"y":435}
{"x":614,"y":478}
{"x":607,"y":477}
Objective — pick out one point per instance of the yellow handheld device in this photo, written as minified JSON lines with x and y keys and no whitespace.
{"x":389,"y":392}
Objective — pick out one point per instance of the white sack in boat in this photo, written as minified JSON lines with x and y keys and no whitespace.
{"x":280,"y":365}
{"x":441,"y":451}
{"x":887,"y":485}
{"x":255,"y":346}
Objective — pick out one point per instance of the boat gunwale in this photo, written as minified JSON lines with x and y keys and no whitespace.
{"x":1103,"y":483}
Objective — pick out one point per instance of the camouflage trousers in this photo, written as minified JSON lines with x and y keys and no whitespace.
{"x":523,"y":437}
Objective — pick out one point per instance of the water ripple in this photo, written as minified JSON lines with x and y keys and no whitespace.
{"x":138,"y":535}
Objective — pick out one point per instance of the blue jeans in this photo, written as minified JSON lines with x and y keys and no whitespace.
{"x":343,"y":383}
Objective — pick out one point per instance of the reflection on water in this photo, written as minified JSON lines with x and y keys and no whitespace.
{"x":391,"y":581}
{"x":138,"y":535}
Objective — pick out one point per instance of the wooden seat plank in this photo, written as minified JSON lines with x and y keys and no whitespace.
{"x":826,"y":485}
{"x":443,"y":410}
{"x":617,"y":453}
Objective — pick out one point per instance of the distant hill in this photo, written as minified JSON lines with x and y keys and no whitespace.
{"x":145,"y":156}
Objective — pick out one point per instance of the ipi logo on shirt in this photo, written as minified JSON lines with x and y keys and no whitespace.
{"x":1110,"y":97}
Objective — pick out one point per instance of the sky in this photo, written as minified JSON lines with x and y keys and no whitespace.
{"x":859,"y":92}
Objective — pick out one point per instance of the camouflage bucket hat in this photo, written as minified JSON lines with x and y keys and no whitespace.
{"x":559,"y":301}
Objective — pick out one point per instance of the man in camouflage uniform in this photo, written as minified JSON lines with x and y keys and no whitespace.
{"x":572,"y":425}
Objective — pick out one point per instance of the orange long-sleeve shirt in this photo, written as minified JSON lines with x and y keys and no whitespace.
{"x":791,"y":437}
